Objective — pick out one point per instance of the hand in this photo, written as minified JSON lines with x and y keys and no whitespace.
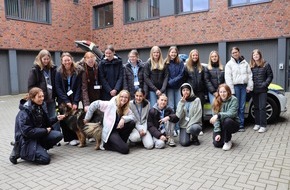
{"x":183,"y":98}
{"x":213,"y":119}
{"x":69,"y":105}
{"x":86,"y":108}
{"x":248,"y":91}
{"x":142,"y":133}
{"x":113,"y":92}
{"x":215,"y":94}
{"x":48,"y":129}
{"x":164,"y":120}
{"x":60,"y":117}
{"x":217,"y":138}
{"x":162,"y":137}
{"x":121,"y":124}
{"x":74,"y":107}
{"x":158,"y":92}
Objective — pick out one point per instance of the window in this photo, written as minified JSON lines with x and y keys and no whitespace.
{"x":103,"y":15}
{"x":141,"y":9}
{"x":245,"y":2}
{"x":192,"y":5}
{"x":32,"y":10}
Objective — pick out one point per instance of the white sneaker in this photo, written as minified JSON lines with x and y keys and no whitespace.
{"x":102,"y":146}
{"x":74,"y":142}
{"x":174,"y":133}
{"x":262,"y":130}
{"x":171,"y":142}
{"x":227,"y":146}
{"x":200,"y":133}
{"x":92,"y":140}
{"x":256,"y":127}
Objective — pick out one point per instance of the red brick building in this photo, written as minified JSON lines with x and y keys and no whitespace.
{"x":127,"y":24}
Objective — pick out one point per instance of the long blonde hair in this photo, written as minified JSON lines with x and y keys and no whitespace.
{"x":122,"y":110}
{"x":189,"y":62}
{"x":38,"y":59}
{"x":261,"y":61}
{"x":209,"y":65}
{"x":168,"y":58}
{"x":159,"y":64}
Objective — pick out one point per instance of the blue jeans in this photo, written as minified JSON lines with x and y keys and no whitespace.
{"x":184,"y":137}
{"x":241,"y":93}
{"x":52,"y":113}
{"x":210,"y":97}
{"x":174,"y":97}
{"x":152,"y":98}
{"x":260,"y":101}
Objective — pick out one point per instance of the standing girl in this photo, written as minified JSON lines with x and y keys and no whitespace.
{"x":262,"y":77}
{"x":68,"y":89}
{"x":155,"y":74}
{"x":238,"y":76}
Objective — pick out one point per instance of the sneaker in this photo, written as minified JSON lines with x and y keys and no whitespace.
{"x":242,"y":130}
{"x":200,"y":133}
{"x":256,"y":127}
{"x":175,"y":133}
{"x":171,"y":142}
{"x":74,"y":142}
{"x":227,"y":145}
{"x":15,"y":154}
{"x":262,"y":130}
{"x":195,"y":141}
{"x":92,"y":140}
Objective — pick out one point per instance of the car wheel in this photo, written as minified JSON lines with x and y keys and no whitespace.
{"x":272,"y":111}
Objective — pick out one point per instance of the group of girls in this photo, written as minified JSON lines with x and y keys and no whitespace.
{"x":175,"y":91}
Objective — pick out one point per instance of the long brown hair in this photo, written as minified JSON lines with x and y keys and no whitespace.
{"x":189,"y":62}
{"x":73,"y":68}
{"x":217,"y":104}
{"x":168,"y":58}
{"x":38,"y":59}
{"x":122,"y":110}
{"x":261,"y":62}
{"x":32,"y":93}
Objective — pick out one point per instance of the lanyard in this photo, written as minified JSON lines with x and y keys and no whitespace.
{"x":87,"y":72}
{"x":68,"y":83}
{"x":187,"y":104}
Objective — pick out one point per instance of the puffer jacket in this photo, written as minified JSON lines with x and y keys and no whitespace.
{"x":238,"y":73}
{"x":195,"y":78}
{"x":128,"y":82}
{"x":214,"y":78}
{"x":155,"y":79}
{"x":175,"y":77}
{"x":36,"y":79}
{"x":28,"y":130}
{"x":262,"y":77}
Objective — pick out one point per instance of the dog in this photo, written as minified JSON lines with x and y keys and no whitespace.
{"x":74,"y":119}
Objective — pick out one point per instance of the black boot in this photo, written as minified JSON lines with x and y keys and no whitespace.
{"x":15,"y":153}
{"x":195,"y":141}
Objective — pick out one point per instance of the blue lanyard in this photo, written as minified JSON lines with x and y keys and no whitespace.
{"x":68,"y":83}
{"x":187,"y":104}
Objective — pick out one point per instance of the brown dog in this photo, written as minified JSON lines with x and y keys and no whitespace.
{"x":74,"y":120}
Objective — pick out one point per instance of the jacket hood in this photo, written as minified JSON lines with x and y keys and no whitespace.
{"x":156,"y":107}
{"x":192,"y":95}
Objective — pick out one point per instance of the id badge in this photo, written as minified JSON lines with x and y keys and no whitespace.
{"x":97,"y":87}
{"x":162,"y":131}
{"x":136,"y":83}
{"x":49,"y":86}
{"x":69,"y":93}
{"x":186,"y":118}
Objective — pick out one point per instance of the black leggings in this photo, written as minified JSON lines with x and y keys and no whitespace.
{"x":228,"y":127}
{"x":118,"y":138}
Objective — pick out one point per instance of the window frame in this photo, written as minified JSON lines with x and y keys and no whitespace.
{"x":248,"y":2}
{"x":20,"y":13}
{"x":96,"y":12}
{"x":179,"y":12}
{"x":151,"y":13}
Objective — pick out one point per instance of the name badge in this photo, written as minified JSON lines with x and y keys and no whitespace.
{"x":186,"y":118}
{"x":69,"y":92}
{"x":49,"y":86}
{"x":136,"y":83}
{"x":96,"y":87}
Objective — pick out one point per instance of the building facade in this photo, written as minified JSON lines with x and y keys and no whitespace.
{"x":205,"y":25}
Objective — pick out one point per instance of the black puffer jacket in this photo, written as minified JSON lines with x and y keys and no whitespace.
{"x":262,"y":77}
{"x":36,"y":79}
{"x":214,"y":78}
{"x":128,"y":82}
{"x":196,"y":79}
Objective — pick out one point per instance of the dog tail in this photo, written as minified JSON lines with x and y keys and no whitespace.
{"x":93,"y":130}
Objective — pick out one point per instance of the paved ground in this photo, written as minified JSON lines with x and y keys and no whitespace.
{"x":257,"y":161}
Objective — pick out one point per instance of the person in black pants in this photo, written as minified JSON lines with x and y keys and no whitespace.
{"x":225,"y":118}
{"x":118,"y":122}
